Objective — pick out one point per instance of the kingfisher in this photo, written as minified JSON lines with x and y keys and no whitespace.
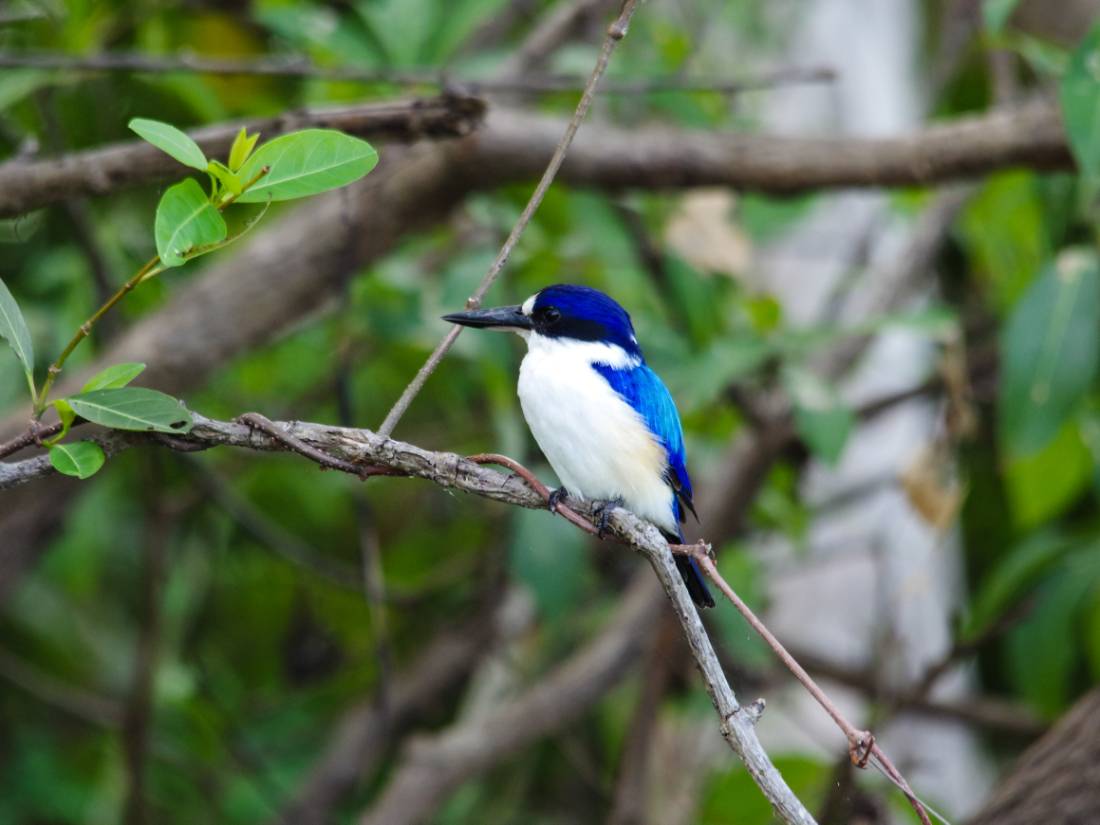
{"x":604,"y":420}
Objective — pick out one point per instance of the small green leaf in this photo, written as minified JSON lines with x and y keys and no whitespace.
{"x":171,"y":141}
{"x":243,"y":144}
{"x":1049,"y":351}
{"x":118,"y":375}
{"x":227,"y":178}
{"x":997,"y":12}
{"x":14,"y":328}
{"x":1080,"y":97}
{"x":306,"y":163}
{"x":820,"y":418}
{"x":80,"y":460}
{"x":186,"y":222}
{"x":133,"y":408}
{"x":67,"y":416}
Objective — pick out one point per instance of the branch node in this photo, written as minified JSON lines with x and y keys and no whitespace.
{"x":754,"y":710}
{"x":860,"y":747}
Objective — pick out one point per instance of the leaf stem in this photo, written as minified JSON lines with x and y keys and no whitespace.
{"x":85,"y":329}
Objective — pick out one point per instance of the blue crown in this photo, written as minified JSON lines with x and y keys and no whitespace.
{"x":588,"y":315}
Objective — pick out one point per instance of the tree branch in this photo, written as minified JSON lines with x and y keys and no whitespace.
{"x":514,"y":145}
{"x":1057,"y":780}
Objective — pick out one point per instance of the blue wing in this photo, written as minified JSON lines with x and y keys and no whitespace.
{"x":645,"y":392}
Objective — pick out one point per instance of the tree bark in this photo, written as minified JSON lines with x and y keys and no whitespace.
{"x":1057,"y":780}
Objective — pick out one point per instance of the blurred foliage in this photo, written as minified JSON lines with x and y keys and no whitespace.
{"x":257,"y":655}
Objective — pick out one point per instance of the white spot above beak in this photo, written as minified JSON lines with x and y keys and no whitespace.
{"x":528,"y":306}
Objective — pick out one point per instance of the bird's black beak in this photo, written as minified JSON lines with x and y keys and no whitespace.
{"x":501,"y":318}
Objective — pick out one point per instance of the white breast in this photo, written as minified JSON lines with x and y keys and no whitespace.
{"x":597,"y":444}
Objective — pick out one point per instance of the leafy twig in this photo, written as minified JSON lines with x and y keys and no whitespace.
{"x":148,"y":270}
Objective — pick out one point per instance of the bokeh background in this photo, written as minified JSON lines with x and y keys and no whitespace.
{"x":889,"y":396}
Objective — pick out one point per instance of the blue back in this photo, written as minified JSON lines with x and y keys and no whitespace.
{"x":643,"y":390}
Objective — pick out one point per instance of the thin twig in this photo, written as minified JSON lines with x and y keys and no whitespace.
{"x":862,"y":746}
{"x":294,"y":67}
{"x":85,"y":329}
{"x":615,"y":32}
{"x":34,"y":434}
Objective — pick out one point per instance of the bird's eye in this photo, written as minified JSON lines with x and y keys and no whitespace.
{"x":551,"y":315}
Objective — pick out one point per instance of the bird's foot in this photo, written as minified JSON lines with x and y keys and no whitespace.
{"x":602,"y":511}
{"x":556,"y":498}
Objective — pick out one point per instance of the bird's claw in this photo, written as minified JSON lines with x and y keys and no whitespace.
{"x":602,"y":511}
{"x":556,"y":498}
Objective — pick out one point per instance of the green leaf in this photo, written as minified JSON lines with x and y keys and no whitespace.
{"x":1043,"y":652}
{"x":227,"y":178}
{"x":171,"y":141}
{"x":133,"y":408}
{"x":81,"y":460}
{"x":1004,"y":230}
{"x":1042,"y":484}
{"x":118,"y":375}
{"x":1022,"y":567}
{"x":186,"y":222}
{"x":306,"y":163}
{"x":14,"y":328}
{"x":245,"y":228}
{"x":820,"y":418}
{"x":1049,"y":351}
{"x":242,"y":147}
{"x":1080,"y":97}
{"x":996,"y":13}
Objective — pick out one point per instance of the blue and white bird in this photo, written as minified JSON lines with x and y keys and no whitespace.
{"x":604,"y":420}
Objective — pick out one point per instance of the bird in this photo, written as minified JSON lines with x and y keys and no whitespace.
{"x":604,"y":420}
